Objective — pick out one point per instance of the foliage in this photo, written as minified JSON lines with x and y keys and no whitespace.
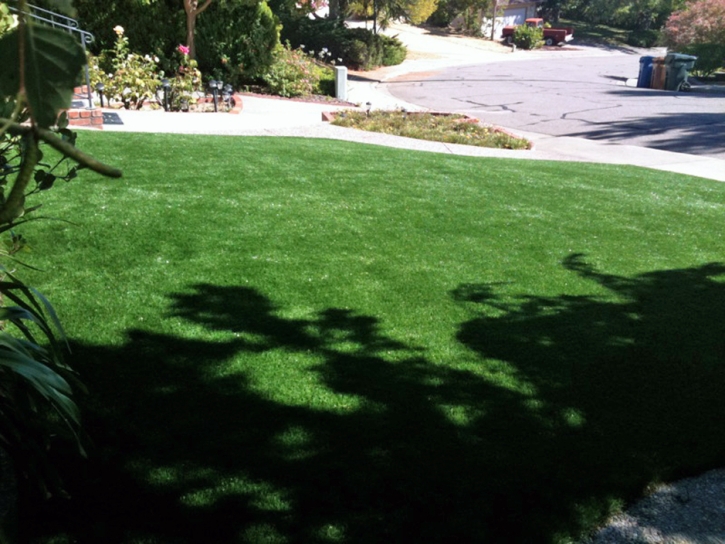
{"x":420,"y":10}
{"x":237,"y":41}
{"x":710,"y":57}
{"x":360,"y":9}
{"x":184,"y":82}
{"x":357,"y":48}
{"x":41,"y":67}
{"x":444,"y":14}
{"x":629,"y":14}
{"x":133,"y":78}
{"x":394,"y":52}
{"x":528,"y":37}
{"x":293,"y":73}
{"x":452,"y":129}
{"x":643,"y":38}
{"x":7,"y":21}
{"x":699,"y":29}
{"x":595,"y":33}
{"x":153,"y":27}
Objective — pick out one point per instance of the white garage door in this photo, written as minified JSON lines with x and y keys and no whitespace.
{"x":515,"y":16}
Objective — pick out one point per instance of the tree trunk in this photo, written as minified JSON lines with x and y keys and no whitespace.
{"x":190,"y":27}
{"x":334,"y":6}
{"x":192,"y":12}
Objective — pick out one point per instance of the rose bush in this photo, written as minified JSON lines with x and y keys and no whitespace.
{"x":129,"y":78}
{"x":185,"y":83}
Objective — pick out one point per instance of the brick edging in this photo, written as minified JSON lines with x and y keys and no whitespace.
{"x":85,"y":118}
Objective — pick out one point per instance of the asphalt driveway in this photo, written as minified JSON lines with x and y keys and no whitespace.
{"x":575,"y":96}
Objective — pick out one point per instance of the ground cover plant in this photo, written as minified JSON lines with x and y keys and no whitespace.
{"x":451,"y":129}
{"x":291,"y":340}
{"x":591,"y":33}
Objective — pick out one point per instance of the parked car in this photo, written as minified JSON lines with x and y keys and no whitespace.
{"x":552,"y":36}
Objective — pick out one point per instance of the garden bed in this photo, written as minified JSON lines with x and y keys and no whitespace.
{"x":453,"y":128}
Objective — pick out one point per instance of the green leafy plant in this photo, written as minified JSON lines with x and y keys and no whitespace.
{"x":357,"y":48}
{"x":41,"y":66}
{"x":236,"y":41}
{"x":528,"y":37}
{"x":699,"y":29}
{"x":186,"y":81}
{"x":454,"y":129}
{"x":6,"y":19}
{"x":133,"y":78}
{"x":294,"y":73}
{"x":643,"y":38}
{"x":710,"y":57}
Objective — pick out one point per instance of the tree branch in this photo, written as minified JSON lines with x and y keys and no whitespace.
{"x":49,"y":137}
{"x":203,"y":7}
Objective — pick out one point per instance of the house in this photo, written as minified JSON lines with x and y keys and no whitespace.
{"x":514,"y":13}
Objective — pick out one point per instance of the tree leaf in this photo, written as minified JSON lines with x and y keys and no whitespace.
{"x":53,"y":63}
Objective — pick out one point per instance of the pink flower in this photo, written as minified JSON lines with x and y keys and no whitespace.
{"x":184,"y":50}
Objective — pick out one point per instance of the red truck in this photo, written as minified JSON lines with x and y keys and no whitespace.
{"x":552,"y":36}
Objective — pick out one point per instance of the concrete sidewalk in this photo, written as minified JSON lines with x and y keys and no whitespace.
{"x":427,"y":53}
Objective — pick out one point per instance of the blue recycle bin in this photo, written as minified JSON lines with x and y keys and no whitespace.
{"x":645,"y":72}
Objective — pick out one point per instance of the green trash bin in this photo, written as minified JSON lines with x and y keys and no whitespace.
{"x":677,"y":65}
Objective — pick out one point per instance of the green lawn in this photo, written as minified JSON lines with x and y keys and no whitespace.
{"x":290,"y":340}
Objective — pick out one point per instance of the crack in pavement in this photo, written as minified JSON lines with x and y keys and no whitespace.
{"x":566,"y":116}
{"x":503,"y":108}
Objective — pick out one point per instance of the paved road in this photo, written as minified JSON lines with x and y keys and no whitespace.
{"x":575,"y":96}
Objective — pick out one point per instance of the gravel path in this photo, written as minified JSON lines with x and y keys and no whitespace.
{"x":690,"y":511}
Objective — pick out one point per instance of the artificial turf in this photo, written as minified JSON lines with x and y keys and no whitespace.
{"x":290,"y":340}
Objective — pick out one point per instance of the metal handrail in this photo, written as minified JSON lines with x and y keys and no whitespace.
{"x":68,"y":24}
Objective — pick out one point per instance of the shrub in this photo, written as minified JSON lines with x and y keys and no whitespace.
{"x":132,"y":78}
{"x":227,"y":52}
{"x":394,"y":52}
{"x":152,"y":27}
{"x":293,"y":73}
{"x":356,"y":48}
{"x":643,"y":38}
{"x":184,"y":82}
{"x":699,"y":29}
{"x":443,"y":15}
{"x":528,"y":37}
{"x":710,"y":57}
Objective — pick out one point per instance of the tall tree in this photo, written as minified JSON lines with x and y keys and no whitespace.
{"x":193,"y":10}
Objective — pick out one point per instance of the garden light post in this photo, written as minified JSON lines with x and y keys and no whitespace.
{"x":166,"y":86}
{"x":215,"y":85}
{"x":227,"y":94}
{"x":100,"y":87}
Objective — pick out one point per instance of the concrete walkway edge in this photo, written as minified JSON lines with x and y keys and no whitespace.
{"x":277,"y":117}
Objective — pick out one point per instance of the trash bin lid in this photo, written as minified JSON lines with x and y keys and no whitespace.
{"x":675,"y":57}
{"x":645,"y":59}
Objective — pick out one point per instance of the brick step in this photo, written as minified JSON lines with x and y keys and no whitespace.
{"x":85,"y":118}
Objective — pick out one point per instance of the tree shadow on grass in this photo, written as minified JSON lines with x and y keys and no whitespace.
{"x":577,"y":400}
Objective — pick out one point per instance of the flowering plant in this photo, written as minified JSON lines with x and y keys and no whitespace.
{"x":699,"y":29}
{"x":134,"y":77}
{"x":185,"y":82}
{"x":293,"y":73}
